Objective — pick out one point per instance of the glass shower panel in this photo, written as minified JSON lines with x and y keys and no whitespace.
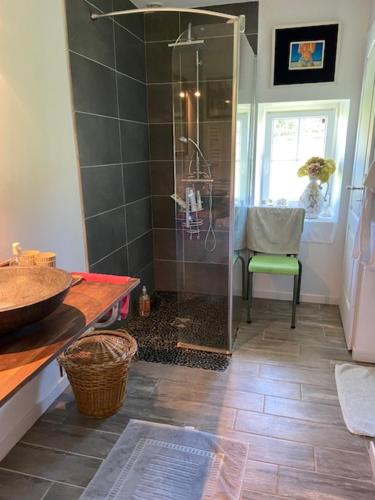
{"x":245,"y":116}
{"x":202,"y":65}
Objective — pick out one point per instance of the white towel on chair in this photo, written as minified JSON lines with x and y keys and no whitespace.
{"x":275,"y":230}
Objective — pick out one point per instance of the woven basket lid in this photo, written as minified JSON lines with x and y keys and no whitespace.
{"x":101,"y":346}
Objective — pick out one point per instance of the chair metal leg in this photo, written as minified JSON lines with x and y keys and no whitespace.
{"x":295,"y":297}
{"x":243,"y":265}
{"x":249,"y":296}
{"x":299,"y":281}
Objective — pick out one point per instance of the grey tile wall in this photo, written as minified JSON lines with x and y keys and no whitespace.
{"x":107,"y":59}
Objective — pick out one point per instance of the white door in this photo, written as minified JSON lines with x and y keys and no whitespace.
{"x":363,"y":155}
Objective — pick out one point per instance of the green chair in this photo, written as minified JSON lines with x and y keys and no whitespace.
{"x":274,"y":236}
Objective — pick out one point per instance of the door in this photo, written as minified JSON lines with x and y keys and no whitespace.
{"x":363,"y":156}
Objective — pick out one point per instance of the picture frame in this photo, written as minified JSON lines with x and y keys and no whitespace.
{"x":304,"y":54}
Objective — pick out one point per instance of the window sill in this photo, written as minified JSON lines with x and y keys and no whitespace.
{"x":320,"y":230}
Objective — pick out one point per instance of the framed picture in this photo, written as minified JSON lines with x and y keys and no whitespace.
{"x":305,"y":54}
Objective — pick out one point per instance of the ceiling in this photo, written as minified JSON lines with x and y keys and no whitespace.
{"x":186,"y":3}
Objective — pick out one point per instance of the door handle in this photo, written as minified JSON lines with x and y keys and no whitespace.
{"x":354,"y":188}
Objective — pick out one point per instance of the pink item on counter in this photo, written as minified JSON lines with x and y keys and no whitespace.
{"x":109,"y":278}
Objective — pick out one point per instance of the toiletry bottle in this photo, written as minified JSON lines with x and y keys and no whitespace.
{"x":144,"y":303}
{"x":16,"y":252}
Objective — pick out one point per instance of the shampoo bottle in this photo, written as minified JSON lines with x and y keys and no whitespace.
{"x":144,"y":303}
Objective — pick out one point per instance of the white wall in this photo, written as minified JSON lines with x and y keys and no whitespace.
{"x":322,"y":262}
{"x":40,"y":201}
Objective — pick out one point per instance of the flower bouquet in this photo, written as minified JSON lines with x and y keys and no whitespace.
{"x":319,"y":170}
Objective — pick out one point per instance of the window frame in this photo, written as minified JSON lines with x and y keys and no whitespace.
{"x":330,"y":145}
{"x":244,"y":115}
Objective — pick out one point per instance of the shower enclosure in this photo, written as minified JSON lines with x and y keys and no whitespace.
{"x":212,"y":116}
{"x":207,"y":69}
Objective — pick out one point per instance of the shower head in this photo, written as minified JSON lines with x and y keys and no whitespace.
{"x":189,"y":44}
{"x":183,"y":139}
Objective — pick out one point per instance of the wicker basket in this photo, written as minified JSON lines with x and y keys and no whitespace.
{"x":97,"y":367}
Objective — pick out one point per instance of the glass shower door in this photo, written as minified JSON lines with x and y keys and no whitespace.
{"x":202,"y":65}
{"x":245,"y":119}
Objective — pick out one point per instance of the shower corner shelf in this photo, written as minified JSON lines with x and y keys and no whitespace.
{"x":198,"y":180}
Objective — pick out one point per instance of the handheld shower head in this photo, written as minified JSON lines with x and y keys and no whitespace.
{"x":185,"y":140}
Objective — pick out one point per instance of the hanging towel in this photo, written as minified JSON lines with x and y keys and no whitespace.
{"x":363,"y":249}
{"x":109,"y":278}
{"x":275,"y":230}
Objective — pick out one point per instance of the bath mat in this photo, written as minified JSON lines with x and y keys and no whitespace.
{"x":356,"y":390}
{"x":157,"y":335}
{"x":161,"y":462}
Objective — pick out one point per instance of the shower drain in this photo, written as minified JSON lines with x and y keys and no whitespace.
{"x":181,"y":322}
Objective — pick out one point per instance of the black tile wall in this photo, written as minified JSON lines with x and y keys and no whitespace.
{"x":134,"y":23}
{"x":107,"y":59}
{"x":160,"y":103}
{"x":98,"y":140}
{"x":132,"y":96}
{"x":130,"y":53}
{"x":158,"y":62}
{"x":102,"y":188}
{"x":91,"y":39}
{"x":162,"y":178}
{"x":140,"y":252}
{"x":134,"y":139}
{"x":105,"y":234}
{"x":116,"y":263}
{"x":94,"y":86}
{"x":162,"y":26}
{"x":138,"y":218}
{"x":136,"y":181}
{"x":163,"y":212}
{"x":161,"y":141}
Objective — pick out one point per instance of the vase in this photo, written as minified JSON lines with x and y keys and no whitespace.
{"x":312,"y":199}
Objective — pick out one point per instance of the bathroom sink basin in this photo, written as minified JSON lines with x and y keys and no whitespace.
{"x":28,"y":294}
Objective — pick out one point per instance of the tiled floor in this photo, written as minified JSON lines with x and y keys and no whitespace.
{"x":278,"y":395}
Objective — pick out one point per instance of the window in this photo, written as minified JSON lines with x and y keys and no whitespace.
{"x":291,"y":138}
{"x":288,"y":134}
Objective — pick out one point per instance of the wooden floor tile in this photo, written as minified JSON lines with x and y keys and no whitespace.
{"x":14,"y":486}
{"x":303,"y":485}
{"x":60,"y":491}
{"x":317,"y":394}
{"x":317,"y":434}
{"x":217,"y":395}
{"x":318,"y":377}
{"x":260,"y":476}
{"x":51,"y":464}
{"x":71,"y":438}
{"x":304,"y":410}
{"x":341,"y":463}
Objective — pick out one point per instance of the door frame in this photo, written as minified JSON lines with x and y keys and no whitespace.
{"x":349,"y":301}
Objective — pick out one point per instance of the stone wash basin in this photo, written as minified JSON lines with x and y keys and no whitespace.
{"x":28,"y":294}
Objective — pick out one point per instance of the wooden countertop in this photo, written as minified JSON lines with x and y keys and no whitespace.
{"x":25,"y":352}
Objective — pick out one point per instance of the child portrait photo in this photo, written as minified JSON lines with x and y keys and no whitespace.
{"x":306,"y":55}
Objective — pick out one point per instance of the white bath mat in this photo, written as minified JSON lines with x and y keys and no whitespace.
{"x":160,"y":462}
{"x":356,"y":390}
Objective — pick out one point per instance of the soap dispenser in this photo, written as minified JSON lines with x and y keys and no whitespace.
{"x":144,"y":303}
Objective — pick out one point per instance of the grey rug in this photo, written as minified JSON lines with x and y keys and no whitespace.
{"x":160,"y":462}
{"x":356,"y":390}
